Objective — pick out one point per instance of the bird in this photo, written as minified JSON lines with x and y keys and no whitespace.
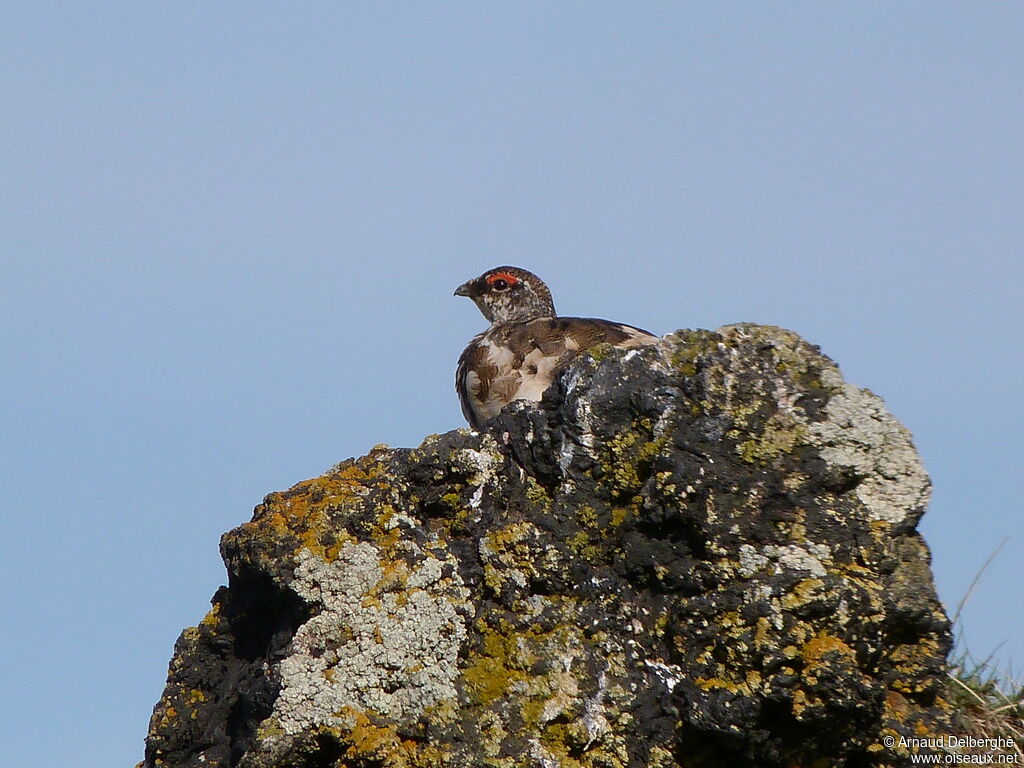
{"x":526,"y":345}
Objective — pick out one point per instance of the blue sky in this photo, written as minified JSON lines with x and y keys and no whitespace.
{"x":229,"y":235}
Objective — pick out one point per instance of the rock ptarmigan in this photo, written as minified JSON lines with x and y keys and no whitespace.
{"x":518,"y":357}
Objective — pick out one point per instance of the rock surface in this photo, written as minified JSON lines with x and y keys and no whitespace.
{"x":702,"y":553}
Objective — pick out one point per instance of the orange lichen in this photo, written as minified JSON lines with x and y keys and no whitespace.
{"x":302,"y":511}
{"x":365,"y":740}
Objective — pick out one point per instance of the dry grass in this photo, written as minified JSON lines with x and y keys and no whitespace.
{"x":988,"y":704}
{"x":988,"y":701}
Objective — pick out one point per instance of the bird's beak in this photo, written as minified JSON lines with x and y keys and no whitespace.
{"x":463,"y":290}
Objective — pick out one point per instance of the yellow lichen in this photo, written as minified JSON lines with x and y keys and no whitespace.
{"x":620,"y":515}
{"x":627,"y":451}
{"x":805,"y":591}
{"x":493,"y":672}
{"x":762,"y":633}
{"x":196,"y":696}
{"x":587,"y":515}
{"x":780,"y":435}
{"x":721,"y":684}
{"x":823,"y":644}
{"x":212,"y":617}
{"x":536,"y":494}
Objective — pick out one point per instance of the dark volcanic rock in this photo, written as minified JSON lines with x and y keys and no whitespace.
{"x":702,"y":553}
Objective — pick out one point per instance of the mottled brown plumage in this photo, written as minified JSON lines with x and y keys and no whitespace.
{"x":526,"y":345}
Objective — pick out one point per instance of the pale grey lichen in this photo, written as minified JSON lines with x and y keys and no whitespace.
{"x":860,"y":435}
{"x":751,"y":561}
{"x":594,"y":720}
{"x":805,"y":557}
{"x":385,"y":640}
{"x":483,"y":464}
{"x":669,"y":674}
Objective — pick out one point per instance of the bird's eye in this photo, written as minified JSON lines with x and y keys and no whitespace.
{"x":499,"y":284}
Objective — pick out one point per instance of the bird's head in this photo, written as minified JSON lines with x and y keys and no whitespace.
{"x":506,"y":294}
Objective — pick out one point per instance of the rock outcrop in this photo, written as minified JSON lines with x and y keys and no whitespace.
{"x":701,"y":553}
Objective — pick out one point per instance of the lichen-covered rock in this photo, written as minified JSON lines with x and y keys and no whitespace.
{"x":701,"y":553}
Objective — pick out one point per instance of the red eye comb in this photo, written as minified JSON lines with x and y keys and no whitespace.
{"x":508,"y":277}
